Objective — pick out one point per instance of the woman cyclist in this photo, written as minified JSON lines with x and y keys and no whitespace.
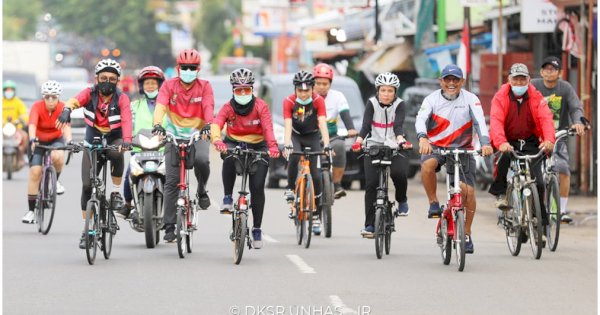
{"x":382,"y":125}
{"x":249,"y":125}
{"x":305,"y":126}
{"x":42,"y":130}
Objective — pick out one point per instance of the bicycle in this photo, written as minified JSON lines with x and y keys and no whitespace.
{"x":450,"y":228}
{"x":245,"y":164}
{"x":381,"y":156}
{"x":187,"y":216}
{"x":46,"y":199}
{"x":524,"y":214}
{"x":304,"y":206}
{"x":100,"y":222}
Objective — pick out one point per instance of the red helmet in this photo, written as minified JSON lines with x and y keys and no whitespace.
{"x":188,"y":57}
{"x":150,"y":72}
{"x":323,"y":70}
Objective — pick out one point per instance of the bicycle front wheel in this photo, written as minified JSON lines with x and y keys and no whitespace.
{"x":179,"y":231}
{"x":379,"y":232}
{"x":308,"y":209}
{"x":512,"y":221}
{"x":553,"y":212}
{"x":189,"y":236}
{"x":240,"y":230}
{"x":389,"y":222}
{"x":108,"y":232}
{"x":46,"y":201}
{"x":459,"y":239}
{"x":92,"y":231}
{"x":446,"y":241}
{"x":534,"y":222}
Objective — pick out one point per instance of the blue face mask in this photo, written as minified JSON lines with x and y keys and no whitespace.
{"x":152,"y":95}
{"x":242,"y":99}
{"x":188,"y":76}
{"x":305,"y":102}
{"x":518,"y":90}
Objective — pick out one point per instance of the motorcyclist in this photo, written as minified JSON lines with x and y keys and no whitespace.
{"x":14,"y":109}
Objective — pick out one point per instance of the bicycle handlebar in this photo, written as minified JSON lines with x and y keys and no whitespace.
{"x":239,"y":151}
{"x":520,"y":156}
{"x":455,"y":151}
{"x":193,"y":138}
{"x":71,"y":147}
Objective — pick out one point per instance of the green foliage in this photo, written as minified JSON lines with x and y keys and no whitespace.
{"x":19,"y":19}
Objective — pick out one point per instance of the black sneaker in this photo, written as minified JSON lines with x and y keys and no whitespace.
{"x":434,"y":210}
{"x":203,"y":200}
{"x":469,"y":245}
{"x":124,"y":212}
{"x":524,"y":237}
{"x":338,"y":191}
{"x":116,"y":202}
{"x":170,"y":233}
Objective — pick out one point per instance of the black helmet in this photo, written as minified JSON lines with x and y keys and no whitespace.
{"x":303,"y":77}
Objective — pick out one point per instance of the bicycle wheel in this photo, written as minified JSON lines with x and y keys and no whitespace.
{"x":308,"y":209}
{"x":553,"y":210}
{"x":47,"y":201}
{"x":389,"y":221}
{"x":91,"y":228}
{"x":179,"y":231}
{"x":379,"y":231}
{"x":108,"y":231}
{"x":534,"y":222}
{"x":147,"y":203}
{"x":327,"y":201}
{"x":189,"y":235}
{"x":459,"y":239}
{"x":446,"y":243}
{"x":512,"y":221}
{"x":299,"y":218}
{"x":240,"y":230}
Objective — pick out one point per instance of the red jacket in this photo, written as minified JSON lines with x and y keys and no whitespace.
{"x":539,"y":109}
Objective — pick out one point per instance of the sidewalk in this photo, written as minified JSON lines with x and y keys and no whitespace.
{"x":583,"y":209}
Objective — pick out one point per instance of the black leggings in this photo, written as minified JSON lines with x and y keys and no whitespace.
{"x":299,"y":142}
{"x":256,"y":181}
{"x":398,"y":171}
{"x":117,"y":162}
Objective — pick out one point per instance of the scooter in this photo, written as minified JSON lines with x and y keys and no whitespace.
{"x":11,"y":139}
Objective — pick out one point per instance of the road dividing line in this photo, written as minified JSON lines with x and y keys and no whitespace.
{"x":269,"y":239}
{"x":340,"y":306}
{"x":301,"y":264}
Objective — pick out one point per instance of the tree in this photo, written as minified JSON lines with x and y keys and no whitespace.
{"x":20,"y":19}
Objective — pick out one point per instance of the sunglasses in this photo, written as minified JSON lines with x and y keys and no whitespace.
{"x":188,"y":67}
{"x":50,"y":97}
{"x":245,"y":90}
{"x":107,"y":79}
{"x":451,"y":79}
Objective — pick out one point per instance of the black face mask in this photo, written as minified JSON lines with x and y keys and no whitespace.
{"x":107,"y":88}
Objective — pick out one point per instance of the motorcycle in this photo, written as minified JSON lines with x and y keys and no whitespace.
{"x":147,"y":178}
{"x":11,"y":139}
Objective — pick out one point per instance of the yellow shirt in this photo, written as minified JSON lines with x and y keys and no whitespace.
{"x":14,"y":108}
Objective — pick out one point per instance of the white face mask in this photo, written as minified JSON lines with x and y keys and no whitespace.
{"x":188,"y":76}
{"x":242,"y":99}
{"x":9,"y":94}
{"x":151,"y":95}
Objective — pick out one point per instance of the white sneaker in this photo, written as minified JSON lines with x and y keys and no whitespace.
{"x":60,"y":189}
{"x":28,"y":218}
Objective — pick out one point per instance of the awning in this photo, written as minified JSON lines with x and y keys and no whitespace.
{"x":386,"y":59}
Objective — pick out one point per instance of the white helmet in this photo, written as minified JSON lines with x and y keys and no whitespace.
{"x":387,"y":78}
{"x":51,"y":88}
{"x":108,"y":65}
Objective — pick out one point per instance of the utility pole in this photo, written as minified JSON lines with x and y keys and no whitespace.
{"x":500,"y":44}
{"x":377,"y":28}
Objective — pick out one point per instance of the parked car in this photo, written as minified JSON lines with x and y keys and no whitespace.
{"x":275,"y":88}
{"x":28,"y":88}
{"x":221,"y":89}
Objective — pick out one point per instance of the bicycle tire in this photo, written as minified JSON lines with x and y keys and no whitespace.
{"x":189,"y":235}
{"x":299,"y":219}
{"x":446,"y":244}
{"x":240,"y":228}
{"x":460,"y":241}
{"x":148,"y":204}
{"x":47,"y":201}
{"x":308,"y":210}
{"x":327,"y":201}
{"x":389,"y":220}
{"x":107,"y":232}
{"x":512,"y":221}
{"x":179,"y":233}
{"x":10,"y":163}
{"x":91,"y":230}
{"x":553,"y":212}
{"x":534,"y":223}
{"x":379,"y":232}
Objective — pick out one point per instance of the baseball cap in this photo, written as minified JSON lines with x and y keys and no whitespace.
{"x":551,"y":60}
{"x":452,"y":70}
{"x":518,"y":69}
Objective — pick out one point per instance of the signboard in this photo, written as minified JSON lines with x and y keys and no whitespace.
{"x":540,"y":17}
{"x":344,"y":4}
{"x":474,"y":3}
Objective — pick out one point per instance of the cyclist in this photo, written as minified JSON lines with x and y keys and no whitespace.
{"x":520,"y":120}
{"x":189,"y":104}
{"x":249,"y":125}
{"x":305,"y":118}
{"x":14,"y":108}
{"x":107,"y":114}
{"x":564,"y":105}
{"x":142,"y":110}
{"x":42,"y":130}
{"x":336,"y":105}
{"x":382,"y":125}
{"x":446,"y":120}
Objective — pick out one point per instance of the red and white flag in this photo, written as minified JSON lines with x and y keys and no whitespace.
{"x":462,"y":60}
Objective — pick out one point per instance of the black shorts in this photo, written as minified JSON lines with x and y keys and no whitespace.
{"x":38,"y":153}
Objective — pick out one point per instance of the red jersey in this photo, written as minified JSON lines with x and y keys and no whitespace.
{"x":255,"y":127}
{"x":187,"y":108}
{"x":44,"y":122}
{"x":304,"y":118}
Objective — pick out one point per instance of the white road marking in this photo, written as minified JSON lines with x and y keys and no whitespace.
{"x":340,"y":306}
{"x":269,"y":238}
{"x":301,"y":264}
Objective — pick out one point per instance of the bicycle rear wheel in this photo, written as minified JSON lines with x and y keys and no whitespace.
{"x":534,"y":222}
{"x":91,"y":229}
{"x":240,"y":230}
{"x":446,"y":244}
{"x":459,"y":239}
{"x":327,"y":201}
{"x":179,"y":231}
{"x":389,"y":221}
{"x":108,"y":231}
{"x":47,"y":201}
{"x":553,"y":211}
{"x":379,"y":232}
{"x":308,"y":209}
{"x":512,"y":221}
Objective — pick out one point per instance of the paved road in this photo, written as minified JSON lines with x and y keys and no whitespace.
{"x":341,"y":275}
